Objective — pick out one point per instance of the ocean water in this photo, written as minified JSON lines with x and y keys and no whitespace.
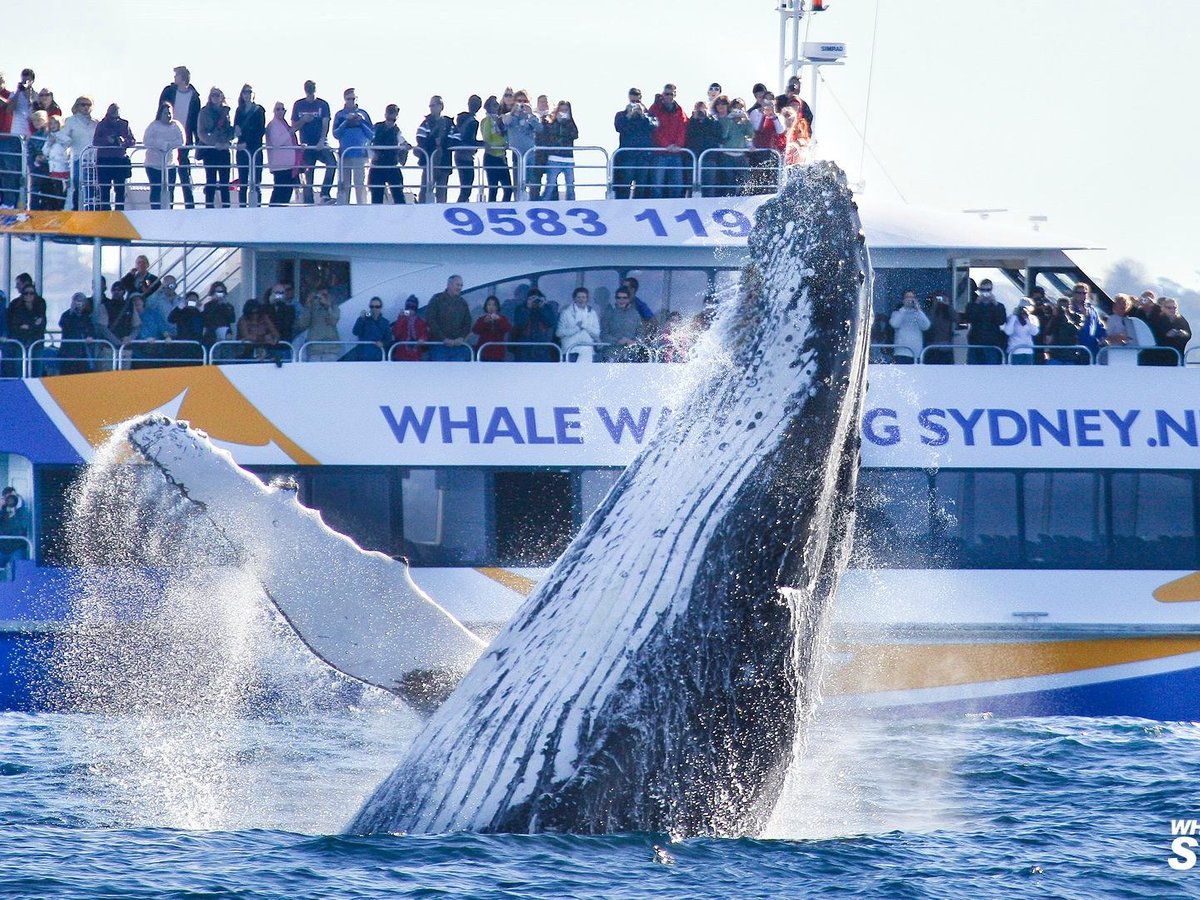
{"x":138,"y":807}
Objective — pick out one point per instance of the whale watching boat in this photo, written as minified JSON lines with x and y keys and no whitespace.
{"x":1027,"y":535}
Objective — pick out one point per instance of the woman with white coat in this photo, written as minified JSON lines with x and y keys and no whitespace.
{"x":1022,"y":329}
{"x":579,"y":328}
{"x":910,"y":323}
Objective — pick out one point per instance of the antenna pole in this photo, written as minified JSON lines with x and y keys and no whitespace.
{"x":790,"y":12}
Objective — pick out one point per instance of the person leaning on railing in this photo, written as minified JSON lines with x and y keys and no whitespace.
{"x":737,"y":134}
{"x":408,"y":329}
{"x":371,"y":329}
{"x":214,"y":131}
{"x":111,"y":138}
{"x":320,"y":319}
{"x":703,"y":134}
{"x":79,"y":130}
{"x":495,"y":163}
{"x":559,"y":133}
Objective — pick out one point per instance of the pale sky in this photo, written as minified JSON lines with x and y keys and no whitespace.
{"x":1079,"y":110}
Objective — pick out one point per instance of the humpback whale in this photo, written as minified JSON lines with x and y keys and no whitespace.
{"x":658,"y":677}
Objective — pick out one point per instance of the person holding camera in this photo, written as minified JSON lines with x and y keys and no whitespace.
{"x":669,"y":137}
{"x":353,"y":129}
{"x":495,"y":161}
{"x":631,"y":161}
{"x":737,"y":136}
{"x":320,"y":319}
{"x":534,"y":322}
{"x":909,"y":323}
{"x":389,"y":151}
{"x":214,"y":130}
{"x":522,"y":128}
{"x":1022,"y":328}
{"x":111,"y":138}
{"x":985,"y":316}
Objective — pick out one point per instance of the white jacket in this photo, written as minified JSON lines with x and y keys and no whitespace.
{"x":1020,"y":337}
{"x":160,"y":139}
{"x":78,"y":130}
{"x":578,"y":327}
{"x":910,"y":326}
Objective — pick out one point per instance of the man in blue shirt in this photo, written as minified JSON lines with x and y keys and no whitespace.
{"x":353,"y":129}
{"x":311,"y":113}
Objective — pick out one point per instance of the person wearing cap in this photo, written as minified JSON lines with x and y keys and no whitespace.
{"x":703,"y":133}
{"x":408,"y":329}
{"x":631,"y":161}
{"x":353,"y":128}
{"x":185,"y":102}
{"x":312,"y":116}
{"x":669,"y":137}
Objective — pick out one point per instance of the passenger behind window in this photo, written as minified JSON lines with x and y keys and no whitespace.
{"x":1022,"y":328}
{"x":579,"y":327}
{"x":534,"y":323}
{"x":909,"y":324}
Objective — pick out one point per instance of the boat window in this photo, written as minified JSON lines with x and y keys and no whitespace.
{"x":594,"y":485}
{"x":975,"y":523}
{"x":1153,"y":515}
{"x":53,"y":493}
{"x":892,"y":528}
{"x":606,"y":279}
{"x":558,"y":286}
{"x":332,"y":275}
{"x":652,"y":288}
{"x":688,"y":288}
{"x":1064,"y":520}
{"x":356,"y":502}
{"x":16,"y":511}
{"x":534,"y":521}
{"x":889,"y":285}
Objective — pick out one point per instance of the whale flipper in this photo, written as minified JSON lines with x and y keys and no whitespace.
{"x":358,"y":611}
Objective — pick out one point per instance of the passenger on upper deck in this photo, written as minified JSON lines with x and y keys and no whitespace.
{"x":669,"y":137}
{"x":1122,"y":330}
{"x":449,"y":321}
{"x":433,"y":138}
{"x":214,"y":131}
{"x":466,"y":135}
{"x":560,"y":133}
{"x":78,"y":131}
{"x":737,"y":135}
{"x":185,"y":101}
{"x":631,"y":160}
{"x":714,"y":91}
{"x":219,"y":314}
{"x":312,"y":115}
{"x":770,"y":138}
{"x":353,"y":129}
{"x":187,"y":319}
{"x":495,"y":163}
{"x":522,"y":128}
{"x":111,"y":138}
{"x":985,"y":315}
{"x":140,"y":279}
{"x":285,"y":159}
{"x":256,"y":328}
{"x":281,"y":309}
{"x":793,"y":100}
{"x":78,"y":333}
{"x":703,"y":133}
{"x":163,"y":138}
{"x":27,"y":317}
{"x":249,"y":131}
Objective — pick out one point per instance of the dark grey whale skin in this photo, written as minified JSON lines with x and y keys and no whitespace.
{"x":697,"y":736}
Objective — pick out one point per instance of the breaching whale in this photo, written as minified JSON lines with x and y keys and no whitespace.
{"x":657,"y":678}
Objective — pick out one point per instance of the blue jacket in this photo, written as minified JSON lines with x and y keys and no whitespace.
{"x":370,"y":329}
{"x":635,"y":131}
{"x":353,"y":139}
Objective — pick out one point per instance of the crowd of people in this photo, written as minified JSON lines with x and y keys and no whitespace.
{"x":148,"y":322}
{"x":527,"y":143}
{"x":1067,"y":331}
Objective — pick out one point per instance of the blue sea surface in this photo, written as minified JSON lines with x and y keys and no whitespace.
{"x":107,"y":806}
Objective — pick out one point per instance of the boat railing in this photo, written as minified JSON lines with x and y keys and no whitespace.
{"x":52,"y":352}
{"x":1065,"y":355}
{"x":519,"y":350}
{"x":12,"y":358}
{"x":150,"y":354}
{"x":534,"y":175}
{"x":888,"y":352}
{"x":250,"y":352}
{"x":1117,"y":355}
{"x":11,"y":549}
{"x":989,"y":354}
{"x":244,"y":174}
{"x":722,"y":172}
{"x":414,"y":347}
{"x":335,"y":351}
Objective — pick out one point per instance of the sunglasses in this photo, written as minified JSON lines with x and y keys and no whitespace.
{"x":376,"y":306}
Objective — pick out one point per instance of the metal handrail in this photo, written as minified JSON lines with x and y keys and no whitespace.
{"x":712,"y":188}
{"x":991,"y":348}
{"x":349,"y":345}
{"x":421,"y":346}
{"x":200,"y":359}
{"x":605,"y":186}
{"x":653,"y":151}
{"x":32,"y":357}
{"x":6,"y":362}
{"x":914,"y":353}
{"x":1070,"y":349}
{"x":1124,"y":350}
{"x":9,"y":563}
{"x":511,"y":345}
{"x":278,"y":345}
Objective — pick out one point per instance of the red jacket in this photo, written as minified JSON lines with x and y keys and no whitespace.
{"x":409,"y":328}
{"x":493,"y":332}
{"x":672,"y":126}
{"x":767,"y":138}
